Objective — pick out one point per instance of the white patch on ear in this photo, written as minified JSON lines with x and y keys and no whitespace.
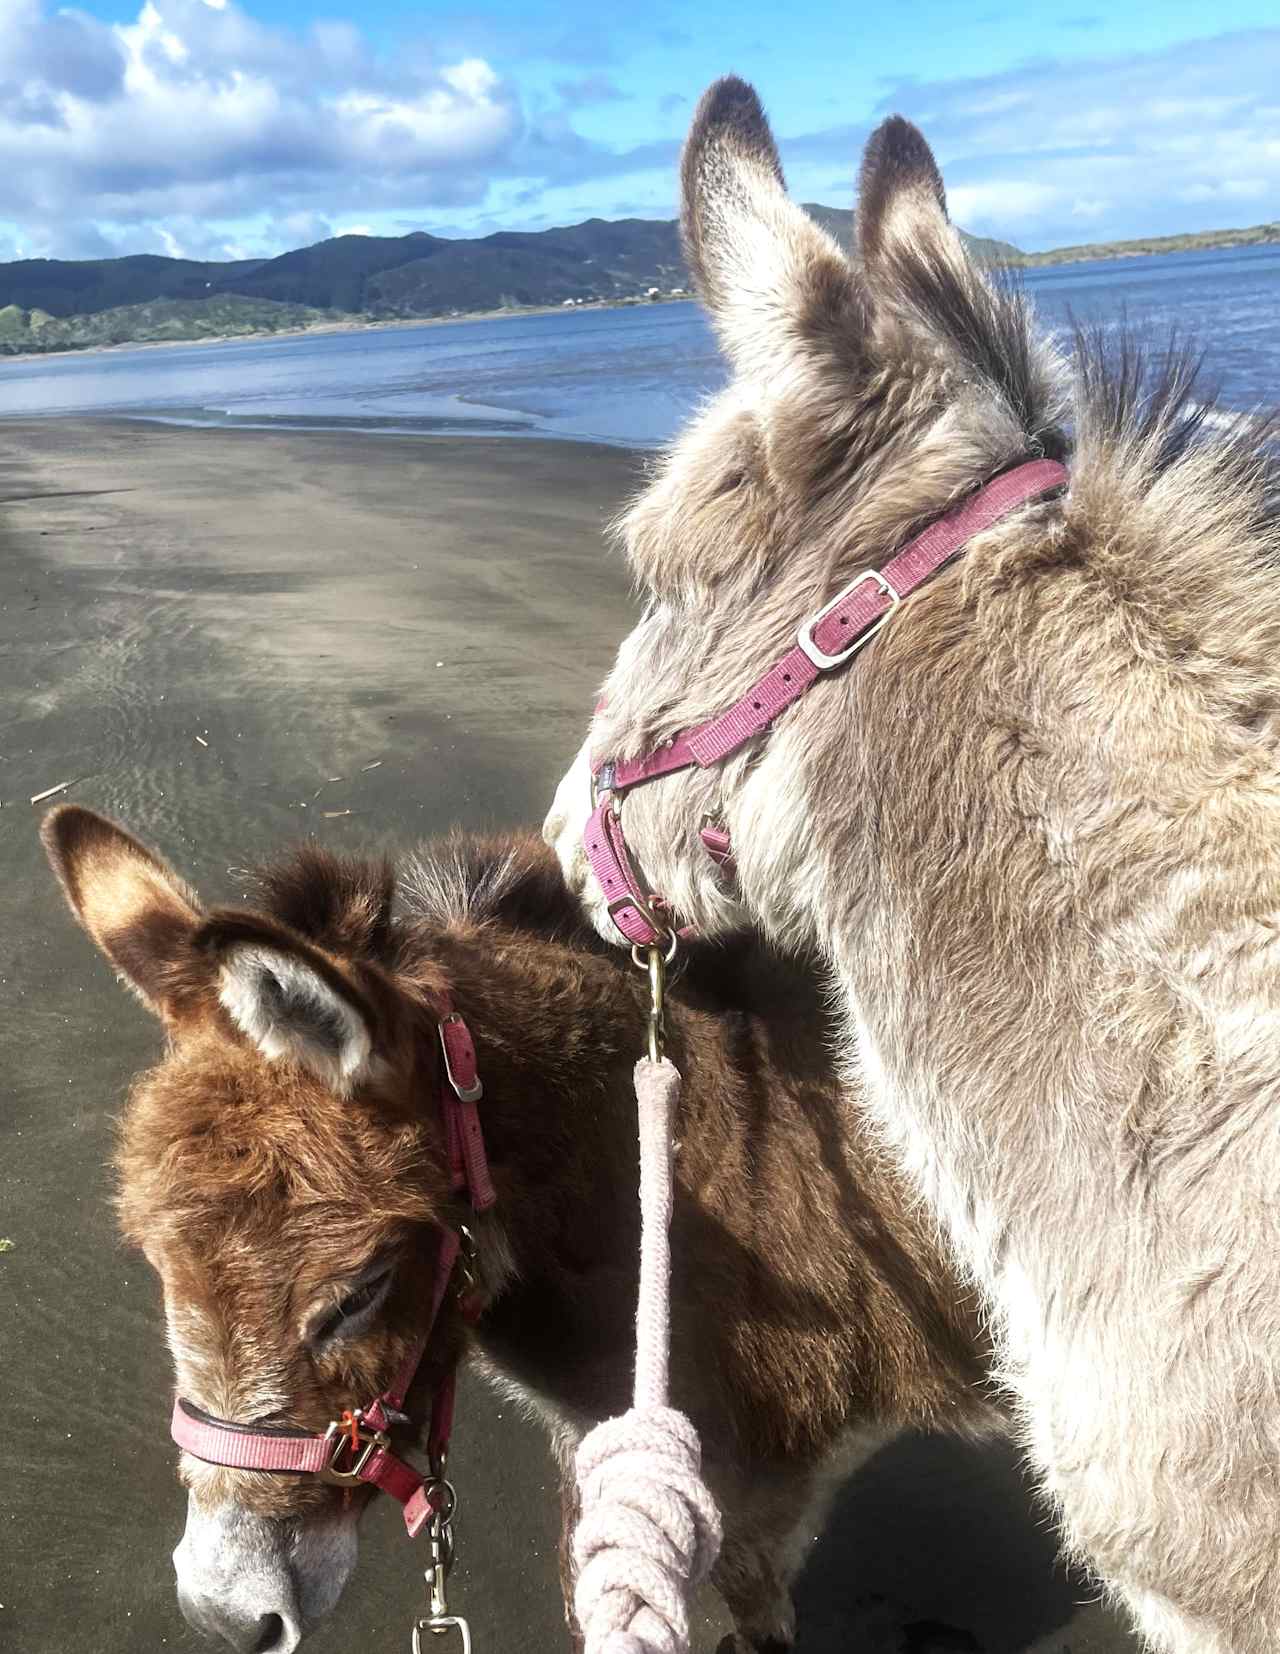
{"x":289,"y":1011}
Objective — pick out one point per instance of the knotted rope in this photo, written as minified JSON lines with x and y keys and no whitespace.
{"x":649,"y":1530}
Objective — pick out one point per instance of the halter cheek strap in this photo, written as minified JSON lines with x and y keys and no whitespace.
{"x":825,"y":642}
{"x":356,"y":1449}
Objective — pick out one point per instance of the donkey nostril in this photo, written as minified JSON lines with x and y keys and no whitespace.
{"x":270,"y":1635}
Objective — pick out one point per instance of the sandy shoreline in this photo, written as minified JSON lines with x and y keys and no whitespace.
{"x":199,"y":628}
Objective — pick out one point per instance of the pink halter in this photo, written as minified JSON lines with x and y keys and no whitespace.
{"x":825,"y":642}
{"x":357,"y":1449}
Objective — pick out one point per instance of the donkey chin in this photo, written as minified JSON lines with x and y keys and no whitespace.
{"x":562,"y":831}
{"x":260,"y":1584}
{"x":694,"y":887}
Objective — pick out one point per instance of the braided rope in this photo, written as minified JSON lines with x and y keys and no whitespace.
{"x":649,"y":1531}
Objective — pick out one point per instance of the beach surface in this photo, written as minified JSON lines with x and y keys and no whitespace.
{"x":228,"y":639}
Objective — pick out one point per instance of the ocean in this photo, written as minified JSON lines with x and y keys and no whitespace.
{"x":627,"y":376}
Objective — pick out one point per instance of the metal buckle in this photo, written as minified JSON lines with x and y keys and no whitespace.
{"x":642,"y":908}
{"x":339,"y":1435}
{"x":602,"y":781}
{"x":464,"y":1094}
{"x":438,"y":1624}
{"x":804,"y":637}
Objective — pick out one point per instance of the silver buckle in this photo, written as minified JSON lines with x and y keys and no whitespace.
{"x":437,"y":1625}
{"x":656,"y":923}
{"x":464,"y":1094}
{"x":602,"y":782}
{"x":804,"y":637}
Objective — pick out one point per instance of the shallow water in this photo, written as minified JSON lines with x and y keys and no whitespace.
{"x":627,"y":376}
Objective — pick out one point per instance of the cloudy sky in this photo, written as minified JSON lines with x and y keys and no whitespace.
{"x":232,"y":128}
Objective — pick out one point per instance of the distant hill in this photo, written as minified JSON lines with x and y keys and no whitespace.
{"x":1258,"y":235}
{"x":158,"y":319}
{"x":331,"y":275}
{"x":79,"y":287}
{"x":353,"y":275}
{"x":838,"y":222}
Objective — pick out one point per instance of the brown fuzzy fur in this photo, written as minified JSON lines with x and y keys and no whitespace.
{"x":809,"y":1298}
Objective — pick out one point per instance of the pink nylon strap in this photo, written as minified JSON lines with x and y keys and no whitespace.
{"x":719,"y":846}
{"x":611,"y":864}
{"x":469,"y":1165}
{"x":245,"y":1447}
{"x":392,"y":1398}
{"x":665,"y":760}
{"x":862,"y":604}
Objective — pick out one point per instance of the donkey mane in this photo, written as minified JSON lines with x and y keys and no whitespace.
{"x":468,"y":879}
{"x":1145,"y":405}
{"x":362,"y":905}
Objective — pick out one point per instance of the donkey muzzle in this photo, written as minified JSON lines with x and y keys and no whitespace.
{"x":257,"y":1585}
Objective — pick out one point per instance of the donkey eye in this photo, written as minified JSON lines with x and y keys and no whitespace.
{"x":734,"y":479}
{"x":353,"y":1312}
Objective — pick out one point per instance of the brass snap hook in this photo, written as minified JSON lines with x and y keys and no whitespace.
{"x":654,"y":961}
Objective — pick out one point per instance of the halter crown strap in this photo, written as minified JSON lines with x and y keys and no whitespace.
{"x":826,"y":641}
{"x":853,"y":617}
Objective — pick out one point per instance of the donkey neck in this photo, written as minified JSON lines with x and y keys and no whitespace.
{"x":557,"y":1031}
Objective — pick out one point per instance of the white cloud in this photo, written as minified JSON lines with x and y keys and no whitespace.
{"x":1008,"y":201}
{"x":194,"y":111}
{"x":1160,"y":142}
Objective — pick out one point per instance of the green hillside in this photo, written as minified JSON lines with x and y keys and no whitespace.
{"x":378,"y":276}
{"x":1258,"y":235}
{"x":77,"y":287}
{"x":160,"y":319}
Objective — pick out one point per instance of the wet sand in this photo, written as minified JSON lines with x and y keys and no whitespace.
{"x":199,"y":629}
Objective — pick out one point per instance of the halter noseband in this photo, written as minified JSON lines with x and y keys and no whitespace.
{"x":356,"y":1449}
{"x":825,"y":642}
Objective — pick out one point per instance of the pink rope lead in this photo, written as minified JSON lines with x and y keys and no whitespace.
{"x":649,"y":1531}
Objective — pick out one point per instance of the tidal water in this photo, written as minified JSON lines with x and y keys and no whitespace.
{"x":627,"y":376}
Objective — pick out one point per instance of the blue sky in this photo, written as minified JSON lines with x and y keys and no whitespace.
{"x":230,"y":128}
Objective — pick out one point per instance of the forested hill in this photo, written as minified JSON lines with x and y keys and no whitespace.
{"x":358,"y":275}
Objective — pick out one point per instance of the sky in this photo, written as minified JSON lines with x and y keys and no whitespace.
{"x":241,"y":128}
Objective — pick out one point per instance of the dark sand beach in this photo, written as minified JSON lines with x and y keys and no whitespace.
{"x":198,"y":629}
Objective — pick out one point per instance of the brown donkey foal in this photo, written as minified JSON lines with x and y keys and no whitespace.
{"x":283,"y":1169}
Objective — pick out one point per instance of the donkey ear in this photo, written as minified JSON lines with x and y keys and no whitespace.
{"x":773,"y":281}
{"x":902,"y":206}
{"x":291,"y":1000}
{"x":140,"y":914}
